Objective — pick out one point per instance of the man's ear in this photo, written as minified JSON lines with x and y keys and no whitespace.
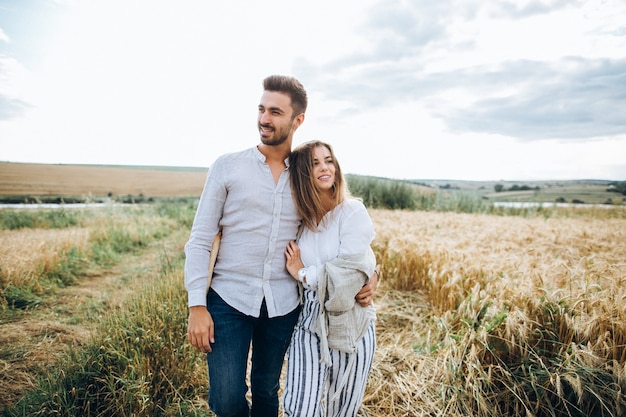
{"x":298,"y":120}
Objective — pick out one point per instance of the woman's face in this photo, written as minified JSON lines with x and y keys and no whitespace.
{"x":323,"y":169}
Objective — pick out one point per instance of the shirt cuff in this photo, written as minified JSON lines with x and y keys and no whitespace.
{"x":311,"y":276}
{"x":196,"y":298}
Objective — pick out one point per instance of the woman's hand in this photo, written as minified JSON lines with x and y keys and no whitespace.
{"x":294,"y":263}
{"x":365,"y":297}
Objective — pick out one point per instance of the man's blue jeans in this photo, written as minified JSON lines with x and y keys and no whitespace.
{"x":234,"y":331}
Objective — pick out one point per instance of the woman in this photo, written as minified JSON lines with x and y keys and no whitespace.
{"x":331,"y":350}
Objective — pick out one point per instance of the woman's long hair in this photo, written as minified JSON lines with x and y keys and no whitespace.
{"x":306,"y":195}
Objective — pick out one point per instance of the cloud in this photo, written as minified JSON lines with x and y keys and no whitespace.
{"x":520,"y":9}
{"x":11,"y":108}
{"x":416,"y":56}
{"x":4,"y":37}
{"x":574,"y":98}
{"x":13,"y":104}
{"x":401,"y":30}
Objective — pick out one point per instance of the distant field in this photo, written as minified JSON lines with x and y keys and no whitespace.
{"x":99,"y":181}
{"x":587,"y":191}
{"x":21,"y":179}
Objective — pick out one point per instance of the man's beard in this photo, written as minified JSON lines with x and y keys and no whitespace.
{"x":278,"y":137}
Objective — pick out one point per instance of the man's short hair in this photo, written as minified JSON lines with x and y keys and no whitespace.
{"x":290,"y":86}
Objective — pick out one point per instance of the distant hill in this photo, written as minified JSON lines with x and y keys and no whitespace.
{"x":567,"y":191}
{"x":19,"y":180}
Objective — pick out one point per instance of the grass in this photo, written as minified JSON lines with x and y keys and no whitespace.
{"x":478,"y":314}
{"x":107,"y":238}
{"x":48,"y":219}
{"x":41,"y":258}
{"x":138,"y":363}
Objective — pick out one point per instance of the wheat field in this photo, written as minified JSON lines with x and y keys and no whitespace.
{"x":485,"y":315}
{"x":478,"y":315}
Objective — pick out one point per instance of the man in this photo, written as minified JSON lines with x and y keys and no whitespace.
{"x":252,"y":300}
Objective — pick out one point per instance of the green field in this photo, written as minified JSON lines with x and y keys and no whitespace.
{"x":566,"y":191}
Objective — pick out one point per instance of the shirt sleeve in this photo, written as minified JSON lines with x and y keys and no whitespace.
{"x":203,"y":230}
{"x":356,"y":229}
{"x":356,"y":233}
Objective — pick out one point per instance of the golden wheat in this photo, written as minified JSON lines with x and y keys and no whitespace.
{"x":488,"y":293}
{"x":488,"y":315}
{"x":27,"y":253}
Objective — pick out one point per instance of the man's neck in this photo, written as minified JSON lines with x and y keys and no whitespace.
{"x":274,"y":154}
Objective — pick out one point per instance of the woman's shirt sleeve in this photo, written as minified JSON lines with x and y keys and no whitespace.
{"x":356,"y":229}
{"x":356,"y":232}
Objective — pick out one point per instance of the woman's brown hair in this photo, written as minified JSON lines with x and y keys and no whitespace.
{"x":306,"y":195}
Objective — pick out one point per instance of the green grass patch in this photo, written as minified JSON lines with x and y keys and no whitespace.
{"x":137,"y":364}
{"x":20,"y":297}
{"x":114,"y":232}
{"x":42,"y":219}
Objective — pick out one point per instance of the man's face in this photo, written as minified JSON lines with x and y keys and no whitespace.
{"x":275,"y":121}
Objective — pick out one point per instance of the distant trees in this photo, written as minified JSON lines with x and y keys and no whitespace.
{"x":500,"y":188}
{"x":404,"y":195}
{"x":382,"y":193}
{"x":617,"y":187}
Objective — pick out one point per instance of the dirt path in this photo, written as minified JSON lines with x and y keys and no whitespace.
{"x":67,"y":318}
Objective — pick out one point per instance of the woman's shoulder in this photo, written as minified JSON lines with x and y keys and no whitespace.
{"x":356,"y":222}
{"x":353,"y":204}
{"x":351,"y":207}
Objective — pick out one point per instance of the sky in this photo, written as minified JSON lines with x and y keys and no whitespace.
{"x":475,"y":90}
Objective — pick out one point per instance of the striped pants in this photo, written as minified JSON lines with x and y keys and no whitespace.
{"x":314,"y":389}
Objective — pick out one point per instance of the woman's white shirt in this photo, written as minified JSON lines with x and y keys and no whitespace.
{"x":347,"y":229}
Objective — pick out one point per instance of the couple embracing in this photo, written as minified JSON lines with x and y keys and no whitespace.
{"x":295,"y":273}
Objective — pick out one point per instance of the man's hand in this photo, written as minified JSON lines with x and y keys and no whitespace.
{"x":200,"y":328}
{"x":366,"y":295}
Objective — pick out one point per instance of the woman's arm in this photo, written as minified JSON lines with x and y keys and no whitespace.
{"x":357,"y":233}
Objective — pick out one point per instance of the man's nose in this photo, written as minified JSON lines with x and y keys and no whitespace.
{"x":264,"y":117}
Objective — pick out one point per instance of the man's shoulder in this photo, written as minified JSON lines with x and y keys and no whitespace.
{"x":243,"y":155}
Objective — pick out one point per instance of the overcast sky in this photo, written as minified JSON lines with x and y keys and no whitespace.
{"x":416,"y":89}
